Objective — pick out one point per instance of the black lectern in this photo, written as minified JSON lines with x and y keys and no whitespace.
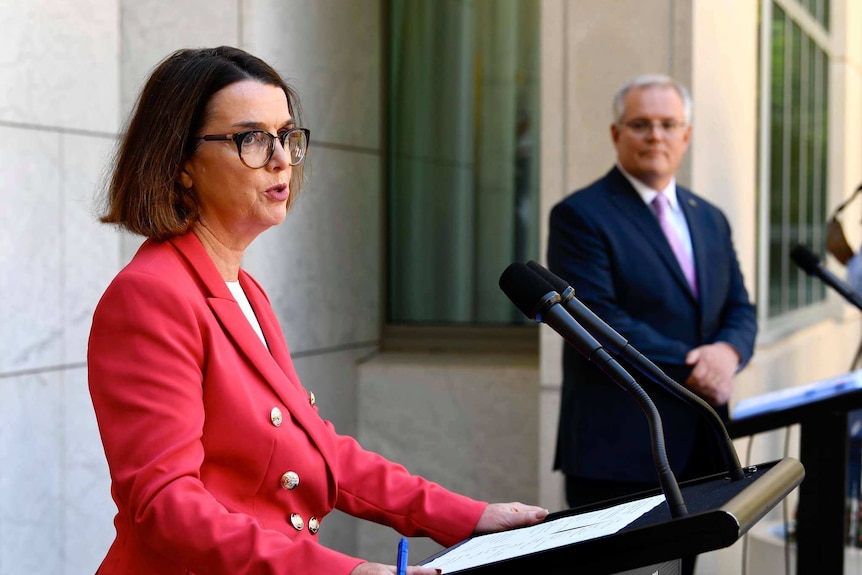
{"x":639,"y":533}
{"x":821,"y":410}
{"x":720,"y":512}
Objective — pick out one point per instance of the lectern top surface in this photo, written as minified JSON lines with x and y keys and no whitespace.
{"x":559,"y":532}
{"x":798,"y":395}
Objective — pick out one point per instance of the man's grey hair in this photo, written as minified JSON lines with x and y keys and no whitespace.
{"x":651,"y":81}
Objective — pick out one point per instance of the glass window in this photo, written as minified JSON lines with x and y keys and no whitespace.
{"x":818,"y":9}
{"x":796,"y":126}
{"x":462,"y":149}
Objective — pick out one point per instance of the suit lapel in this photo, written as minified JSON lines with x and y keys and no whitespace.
{"x":276,"y":368}
{"x":692,"y":210}
{"x":630,"y":204}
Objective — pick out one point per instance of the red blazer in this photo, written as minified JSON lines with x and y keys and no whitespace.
{"x":188,"y":399}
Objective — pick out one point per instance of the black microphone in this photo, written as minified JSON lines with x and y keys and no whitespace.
{"x":811,"y":264}
{"x":840,"y":208}
{"x":619,"y":346}
{"x":537,"y":300}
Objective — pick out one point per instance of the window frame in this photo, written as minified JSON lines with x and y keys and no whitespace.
{"x":779,"y":326}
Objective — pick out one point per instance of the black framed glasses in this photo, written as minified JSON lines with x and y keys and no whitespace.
{"x":255,"y":147}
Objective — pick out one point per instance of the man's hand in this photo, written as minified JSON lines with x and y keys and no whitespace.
{"x":714,"y":367}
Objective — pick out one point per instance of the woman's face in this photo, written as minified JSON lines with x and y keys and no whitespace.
{"x":237,"y":202}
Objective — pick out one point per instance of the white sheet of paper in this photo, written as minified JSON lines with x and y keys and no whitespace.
{"x":485,"y":549}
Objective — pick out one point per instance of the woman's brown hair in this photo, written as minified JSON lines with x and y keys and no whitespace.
{"x":144,"y":195}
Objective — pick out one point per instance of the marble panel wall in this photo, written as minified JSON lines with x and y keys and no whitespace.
{"x":465,"y":421}
{"x":31,"y":477}
{"x":31,"y":249}
{"x":31,"y":525}
{"x":55,"y":506}
{"x":331,"y":52}
{"x":58,"y":63}
{"x":58,"y":118}
{"x":87,"y":509}
{"x":152,"y":29}
{"x":55,"y":503}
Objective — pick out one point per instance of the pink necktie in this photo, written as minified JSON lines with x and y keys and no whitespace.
{"x":660,"y":205}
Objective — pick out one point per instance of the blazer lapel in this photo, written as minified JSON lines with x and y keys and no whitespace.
{"x":271,"y":329}
{"x":276,"y":368}
{"x":632,"y":206}
{"x":269,"y":325}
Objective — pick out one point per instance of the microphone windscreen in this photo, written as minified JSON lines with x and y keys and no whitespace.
{"x":524,"y":288}
{"x":558,"y":283}
{"x":805,"y":259}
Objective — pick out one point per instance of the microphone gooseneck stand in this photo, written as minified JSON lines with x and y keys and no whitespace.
{"x":618,"y":346}
{"x":537,"y":300}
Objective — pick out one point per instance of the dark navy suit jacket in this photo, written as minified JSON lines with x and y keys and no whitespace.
{"x":608,"y":244}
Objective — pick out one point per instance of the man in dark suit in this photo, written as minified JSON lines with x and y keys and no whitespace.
{"x":667,"y":278}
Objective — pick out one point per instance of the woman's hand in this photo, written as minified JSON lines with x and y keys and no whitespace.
{"x":503,"y":516}
{"x":378,"y":569}
{"x":496,"y":517}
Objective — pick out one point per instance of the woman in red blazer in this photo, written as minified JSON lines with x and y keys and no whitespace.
{"x":219,"y":461}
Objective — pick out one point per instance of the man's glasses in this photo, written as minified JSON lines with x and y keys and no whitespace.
{"x":255,"y":147}
{"x":643,"y":128}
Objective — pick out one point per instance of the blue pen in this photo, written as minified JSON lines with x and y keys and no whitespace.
{"x":401,"y":563}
